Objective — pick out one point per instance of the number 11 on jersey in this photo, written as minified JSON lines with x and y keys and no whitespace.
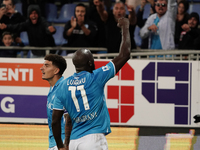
{"x":83,"y":95}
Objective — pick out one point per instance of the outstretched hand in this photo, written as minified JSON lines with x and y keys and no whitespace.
{"x":51,"y":29}
{"x":98,"y":2}
{"x":186,"y":27}
{"x":153,"y":28}
{"x":123,"y":22}
{"x":3,"y":26}
{"x":130,"y":8}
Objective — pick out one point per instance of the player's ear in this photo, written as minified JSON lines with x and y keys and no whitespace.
{"x":57,"y":70}
{"x":90,"y":63}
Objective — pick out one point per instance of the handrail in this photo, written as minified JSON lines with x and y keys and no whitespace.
{"x":135,"y":54}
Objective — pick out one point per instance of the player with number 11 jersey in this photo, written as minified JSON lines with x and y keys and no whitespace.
{"x":83,"y":97}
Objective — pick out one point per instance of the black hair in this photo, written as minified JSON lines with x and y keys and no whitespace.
{"x":86,"y":10}
{"x":32,"y":8}
{"x":57,"y":61}
{"x":186,"y":5}
{"x":6,"y":33}
{"x":196,"y":16}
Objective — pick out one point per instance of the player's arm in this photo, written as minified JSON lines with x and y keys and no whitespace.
{"x":125,"y":47}
{"x":68,"y":129}
{"x":56,"y":127}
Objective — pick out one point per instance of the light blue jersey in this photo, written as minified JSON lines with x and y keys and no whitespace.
{"x":50,"y":101}
{"x":82,"y":95}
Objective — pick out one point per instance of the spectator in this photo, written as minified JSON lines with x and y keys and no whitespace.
{"x":181,"y":18}
{"x":190,"y":32}
{"x":7,"y":39}
{"x":113,"y":32}
{"x":94,"y":16}
{"x":27,"y":3}
{"x":160,"y":27}
{"x":80,"y":31}
{"x":141,"y":21}
{"x":38,"y":29}
{"x":8,"y":15}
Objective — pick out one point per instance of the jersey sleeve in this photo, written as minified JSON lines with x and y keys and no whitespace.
{"x":58,"y":105}
{"x":103,"y":74}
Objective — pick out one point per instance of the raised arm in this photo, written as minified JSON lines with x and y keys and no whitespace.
{"x":132,"y":15}
{"x":172,"y":9}
{"x":125,"y":47}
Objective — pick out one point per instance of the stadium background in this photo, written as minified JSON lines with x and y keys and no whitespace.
{"x":25,"y":134}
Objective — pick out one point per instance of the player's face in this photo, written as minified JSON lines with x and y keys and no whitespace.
{"x":48,"y":70}
{"x":119,"y":10}
{"x":34,"y":17}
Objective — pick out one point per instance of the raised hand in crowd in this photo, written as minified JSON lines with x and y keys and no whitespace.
{"x":51,"y":29}
{"x":3,"y":26}
{"x":153,"y":28}
{"x":2,"y":11}
{"x":186,"y":27}
{"x":73,"y":22}
{"x":18,"y":40}
{"x":132,"y":16}
{"x":98,"y":2}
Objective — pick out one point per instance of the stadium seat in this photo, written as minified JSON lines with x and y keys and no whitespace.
{"x":50,"y":12}
{"x":194,"y":7}
{"x":18,"y":7}
{"x":58,"y":36}
{"x":138,"y":39}
{"x":24,"y":38}
{"x":66,"y":12}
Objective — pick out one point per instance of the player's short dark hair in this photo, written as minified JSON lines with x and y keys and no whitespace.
{"x":58,"y":61}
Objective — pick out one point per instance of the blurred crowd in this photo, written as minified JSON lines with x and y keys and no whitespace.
{"x":168,"y":26}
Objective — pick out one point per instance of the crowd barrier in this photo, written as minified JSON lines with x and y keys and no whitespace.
{"x":101,"y":53}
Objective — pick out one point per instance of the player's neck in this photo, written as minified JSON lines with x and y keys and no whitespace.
{"x":53,"y":81}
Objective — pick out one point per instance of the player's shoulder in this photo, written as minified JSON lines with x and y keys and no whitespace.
{"x":104,"y":68}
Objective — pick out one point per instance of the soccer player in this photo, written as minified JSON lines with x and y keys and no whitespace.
{"x":82,"y":95}
{"x":52,"y":70}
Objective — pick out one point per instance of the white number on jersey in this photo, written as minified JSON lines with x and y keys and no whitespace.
{"x":83,"y":94}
